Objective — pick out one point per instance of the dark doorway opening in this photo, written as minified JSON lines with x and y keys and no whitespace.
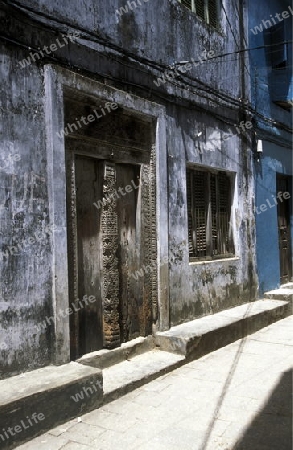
{"x":284,"y":212}
{"x":107,"y":256}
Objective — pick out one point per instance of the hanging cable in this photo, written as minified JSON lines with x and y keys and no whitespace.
{"x":201,"y":87}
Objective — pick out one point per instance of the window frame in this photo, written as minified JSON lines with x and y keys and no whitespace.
{"x":278,"y":62}
{"x":209,"y":256}
{"x":206,"y":12}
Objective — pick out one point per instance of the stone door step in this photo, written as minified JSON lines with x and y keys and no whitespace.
{"x":285,"y":292}
{"x":201,"y":336}
{"x":129,"y":375}
{"x":37,"y":401}
{"x":287,"y":286}
{"x":106,"y":358}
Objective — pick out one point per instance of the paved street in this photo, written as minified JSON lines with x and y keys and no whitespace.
{"x":238,"y":397}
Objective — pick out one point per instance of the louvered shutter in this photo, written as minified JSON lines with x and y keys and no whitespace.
{"x":187,"y":3}
{"x":224,"y":193}
{"x":200,"y":8}
{"x":214,"y":212}
{"x":200,"y":208}
{"x":278,"y":48}
{"x":209,"y":213}
{"x":213,"y":13}
{"x":190,"y":213}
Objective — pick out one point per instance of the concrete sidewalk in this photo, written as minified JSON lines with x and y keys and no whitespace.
{"x":238,"y":397}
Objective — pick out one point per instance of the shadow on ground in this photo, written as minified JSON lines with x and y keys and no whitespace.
{"x":272,"y":427}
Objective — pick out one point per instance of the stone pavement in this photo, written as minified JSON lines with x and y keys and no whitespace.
{"x":238,"y":397}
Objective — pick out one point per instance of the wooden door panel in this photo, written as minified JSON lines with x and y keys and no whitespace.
{"x":88,"y":179}
{"x":130,"y":257}
{"x":284,"y":230}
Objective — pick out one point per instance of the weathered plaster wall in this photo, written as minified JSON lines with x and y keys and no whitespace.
{"x":25,"y":294}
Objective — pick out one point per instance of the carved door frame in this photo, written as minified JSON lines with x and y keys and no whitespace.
{"x":57,"y":81}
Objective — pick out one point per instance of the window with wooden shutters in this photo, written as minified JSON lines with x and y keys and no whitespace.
{"x":213,"y":13}
{"x":209,"y":200}
{"x":200,"y":8}
{"x":207,"y":10}
{"x":187,"y":3}
{"x":278,"y":47}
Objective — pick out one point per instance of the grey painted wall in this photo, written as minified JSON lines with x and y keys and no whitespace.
{"x":25,"y":261}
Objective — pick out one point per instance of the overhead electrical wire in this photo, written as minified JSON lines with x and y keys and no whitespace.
{"x":178,"y":84}
{"x":243,"y":50}
{"x":109,"y":44}
{"x":223,"y":96}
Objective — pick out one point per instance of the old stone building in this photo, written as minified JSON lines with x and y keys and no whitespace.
{"x":127,"y":193}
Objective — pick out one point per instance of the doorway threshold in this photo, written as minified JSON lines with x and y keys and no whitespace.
{"x":287,"y":285}
{"x":285,"y":292}
{"x":104,"y":358}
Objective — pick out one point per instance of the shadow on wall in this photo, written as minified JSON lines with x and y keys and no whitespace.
{"x":272,"y":428}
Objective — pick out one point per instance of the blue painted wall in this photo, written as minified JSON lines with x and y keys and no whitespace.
{"x":275,"y":160}
{"x":268,"y":85}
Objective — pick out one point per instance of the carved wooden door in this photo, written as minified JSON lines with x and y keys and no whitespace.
{"x":134,"y":307}
{"x":108,"y":227}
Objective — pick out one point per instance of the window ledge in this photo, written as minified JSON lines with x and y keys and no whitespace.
{"x":211,"y":261}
